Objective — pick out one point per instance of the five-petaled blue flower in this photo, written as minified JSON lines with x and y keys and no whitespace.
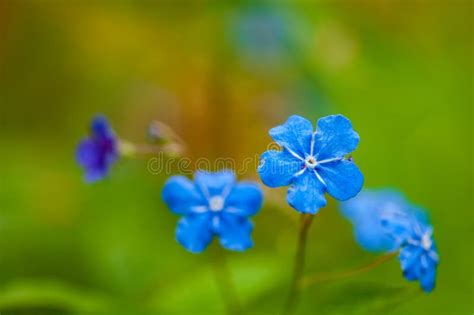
{"x":214,"y":204}
{"x":98,"y":152}
{"x":418,"y":252}
{"x":313,"y":162}
{"x":366,"y":212}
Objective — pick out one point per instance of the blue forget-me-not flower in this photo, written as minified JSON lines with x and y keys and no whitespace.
{"x":385,"y":221}
{"x":214,"y":204}
{"x":98,"y":152}
{"x":313,"y":162}
{"x":366,"y":212}
{"x":418,"y":256}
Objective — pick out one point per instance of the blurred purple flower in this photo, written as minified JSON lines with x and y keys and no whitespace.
{"x":98,"y":152}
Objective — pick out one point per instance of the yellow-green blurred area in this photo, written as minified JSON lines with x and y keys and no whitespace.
{"x":221,"y":74}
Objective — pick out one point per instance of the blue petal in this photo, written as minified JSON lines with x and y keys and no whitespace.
{"x":181,"y":196}
{"x":344,"y":180}
{"x":194,"y":232}
{"x":371,"y":236}
{"x":277,"y":168}
{"x":410,"y":262}
{"x":212,"y":184}
{"x":245,"y":199}
{"x":100,"y":127}
{"x":89,"y":156}
{"x":87,"y":153}
{"x":306,"y":194}
{"x":295,"y":134}
{"x":95,"y":174}
{"x":369,"y":202}
{"x":428,"y":277}
{"x":334,"y":137}
{"x":397,"y":226}
{"x":370,"y":211}
{"x":234,"y":232}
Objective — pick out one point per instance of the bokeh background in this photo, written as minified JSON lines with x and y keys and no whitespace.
{"x":221,"y":74}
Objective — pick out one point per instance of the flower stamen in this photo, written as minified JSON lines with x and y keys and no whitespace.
{"x":216,"y":203}
{"x":311,"y":162}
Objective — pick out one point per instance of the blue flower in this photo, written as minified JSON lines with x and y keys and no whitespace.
{"x":98,"y":152}
{"x":418,"y":256}
{"x":259,"y":34}
{"x":366,"y":212}
{"x":385,"y":221}
{"x":313,"y":162}
{"x":214,"y":204}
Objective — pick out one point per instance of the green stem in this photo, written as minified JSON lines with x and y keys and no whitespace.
{"x":299,"y":262}
{"x":225,"y":284}
{"x":319,"y":278}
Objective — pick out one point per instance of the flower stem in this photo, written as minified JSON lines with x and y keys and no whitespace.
{"x":299,"y":261}
{"x":225,"y":284}
{"x":324,"y":277}
{"x":135,"y":150}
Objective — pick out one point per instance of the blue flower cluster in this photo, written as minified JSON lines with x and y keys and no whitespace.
{"x":384,"y":221}
{"x":312,"y":163}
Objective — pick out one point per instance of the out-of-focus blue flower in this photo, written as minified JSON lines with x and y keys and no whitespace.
{"x":385,"y":221}
{"x":366,"y":212}
{"x":259,"y":34}
{"x":98,"y":152}
{"x":418,"y":252}
{"x":313,"y":162}
{"x":214,"y":204}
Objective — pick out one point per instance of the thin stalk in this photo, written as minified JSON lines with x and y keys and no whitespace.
{"x":310,"y":280}
{"x":225,"y":284}
{"x":299,"y":263}
{"x":130,"y":149}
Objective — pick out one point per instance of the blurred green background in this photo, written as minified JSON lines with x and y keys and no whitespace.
{"x":221,"y":75}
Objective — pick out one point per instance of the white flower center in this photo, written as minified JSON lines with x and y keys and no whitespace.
{"x":311,"y":162}
{"x":426,"y":241}
{"x":216,"y":203}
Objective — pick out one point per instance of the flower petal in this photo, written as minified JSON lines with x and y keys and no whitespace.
{"x":194,"y":232}
{"x":306,"y":193}
{"x":245,"y":199}
{"x":87,"y":153}
{"x":428,"y":276}
{"x":277,"y":168}
{"x":295,"y":134}
{"x":212,"y":184}
{"x":409,"y":261}
{"x":375,"y":215}
{"x":344,"y":180}
{"x":100,"y":127}
{"x":334,"y":137}
{"x":369,"y":203}
{"x":371,"y":236}
{"x":95,"y":174}
{"x":234,"y":232}
{"x":181,"y":196}
{"x":90,"y":157}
